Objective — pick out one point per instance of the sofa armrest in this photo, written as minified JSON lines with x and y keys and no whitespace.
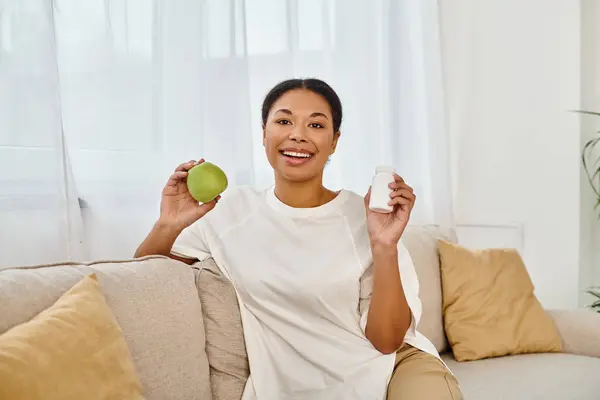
{"x":579,"y":330}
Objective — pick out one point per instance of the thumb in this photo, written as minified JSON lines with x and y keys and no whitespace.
{"x":205,"y":208}
{"x":368,"y":197}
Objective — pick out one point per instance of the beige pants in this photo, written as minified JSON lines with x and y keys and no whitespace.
{"x":420,"y":376}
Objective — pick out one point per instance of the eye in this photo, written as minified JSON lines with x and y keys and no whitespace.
{"x":316,"y":125}
{"x":283,"y":122}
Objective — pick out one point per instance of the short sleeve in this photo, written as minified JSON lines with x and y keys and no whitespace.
{"x":410,"y":284}
{"x":192,"y":243}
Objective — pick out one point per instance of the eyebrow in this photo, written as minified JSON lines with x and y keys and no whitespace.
{"x":315,"y":114}
{"x":318,"y":114}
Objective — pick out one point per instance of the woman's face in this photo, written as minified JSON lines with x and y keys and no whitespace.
{"x":298,"y":135}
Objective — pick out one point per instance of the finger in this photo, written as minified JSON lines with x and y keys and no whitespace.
{"x":189,"y":165}
{"x":400,"y":185}
{"x":177,"y":177}
{"x":401,"y":201}
{"x":402,"y":193}
{"x":184,"y":166}
{"x":205,"y":208}
{"x":368,"y":197}
{"x":398,"y":178}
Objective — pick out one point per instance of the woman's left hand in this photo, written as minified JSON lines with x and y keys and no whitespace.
{"x":386,"y":229}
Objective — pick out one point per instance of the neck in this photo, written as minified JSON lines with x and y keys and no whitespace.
{"x":306,"y":194}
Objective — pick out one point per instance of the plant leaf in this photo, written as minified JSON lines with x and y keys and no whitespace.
{"x":593,"y":293}
{"x":597,"y":164}
{"x":586,"y":153}
{"x":589,"y":145}
{"x":587,"y":112}
{"x":595,"y":304}
{"x":596,"y":173}
{"x":593,"y":173}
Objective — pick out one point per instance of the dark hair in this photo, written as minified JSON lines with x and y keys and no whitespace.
{"x":314,"y":85}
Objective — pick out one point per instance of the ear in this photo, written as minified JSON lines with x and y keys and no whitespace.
{"x":264,"y":139}
{"x":336,"y":136}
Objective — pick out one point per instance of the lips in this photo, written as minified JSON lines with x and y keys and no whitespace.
{"x":296,"y":156}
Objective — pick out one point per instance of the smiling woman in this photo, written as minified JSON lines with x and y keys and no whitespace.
{"x":323,"y":318}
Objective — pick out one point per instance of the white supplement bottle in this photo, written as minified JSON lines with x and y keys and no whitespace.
{"x":380,"y":190}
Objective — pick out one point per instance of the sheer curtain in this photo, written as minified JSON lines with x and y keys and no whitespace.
{"x":39,"y":215}
{"x":132,"y":88}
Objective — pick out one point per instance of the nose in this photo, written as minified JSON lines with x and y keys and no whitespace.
{"x":297,"y":134}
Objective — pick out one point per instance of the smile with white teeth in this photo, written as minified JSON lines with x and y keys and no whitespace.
{"x":295,"y":154}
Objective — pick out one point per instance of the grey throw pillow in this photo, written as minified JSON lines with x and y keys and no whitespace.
{"x":225,"y":346}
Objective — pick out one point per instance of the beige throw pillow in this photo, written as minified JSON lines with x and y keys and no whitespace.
{"x":490,"y":309}
{"x":155,"y":302}
{"x":72,"y":350}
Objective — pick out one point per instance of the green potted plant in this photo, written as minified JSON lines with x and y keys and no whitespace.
{"x":595,"y":291}
{"x":591,"y":165}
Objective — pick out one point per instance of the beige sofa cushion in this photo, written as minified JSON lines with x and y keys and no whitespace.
{"x":70,"y":351}
{"x":225,"y":344}
{"x":490,"y":309}
{"x":579,"y":331}
{"x":529,"y":376}
{"x":154,"y":301}
{"x":421,"y":243}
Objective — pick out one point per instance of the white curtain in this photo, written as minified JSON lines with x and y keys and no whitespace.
{"x":132,"y":88}
{"x":40,"y":219}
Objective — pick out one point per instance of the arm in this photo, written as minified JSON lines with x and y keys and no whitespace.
{"x":389,"y":315}
{"x":178,"y":210}
{"x":159,"y":241}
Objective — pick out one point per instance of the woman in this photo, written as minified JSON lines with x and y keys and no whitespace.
{"x":328,"y":293}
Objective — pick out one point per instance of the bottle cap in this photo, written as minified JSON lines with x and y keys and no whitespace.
{"x":385,"y":168}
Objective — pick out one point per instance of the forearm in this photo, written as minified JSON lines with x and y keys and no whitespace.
{"x":389,"y":314}
{"x":159,"y":241}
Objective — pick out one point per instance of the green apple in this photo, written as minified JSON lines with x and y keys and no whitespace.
{"x":206,"y":181}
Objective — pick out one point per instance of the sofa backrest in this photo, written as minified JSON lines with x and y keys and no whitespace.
{"x":157,"y":306}
{"x":421,"y":243}
{"x":155,"y":302}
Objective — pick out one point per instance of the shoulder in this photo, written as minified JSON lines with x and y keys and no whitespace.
{"x":236,"y":204}
{"x":239,"y":194}
{"x":354,"y":199}
{"x":354,"y":206}
{"x":355,"y":211}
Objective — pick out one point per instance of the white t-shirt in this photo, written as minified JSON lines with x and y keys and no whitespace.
{"x":303,"y":278}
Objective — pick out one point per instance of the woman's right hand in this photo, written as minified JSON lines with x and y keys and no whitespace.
{"x":177,"y":207}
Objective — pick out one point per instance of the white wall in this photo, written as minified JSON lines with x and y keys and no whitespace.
{"x":512,"y":74}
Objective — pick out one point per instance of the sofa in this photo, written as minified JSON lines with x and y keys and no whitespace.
{"x":183,"y":328}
